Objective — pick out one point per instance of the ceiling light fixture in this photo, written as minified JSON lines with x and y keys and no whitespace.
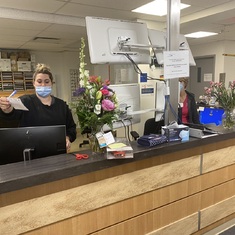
{"x":157,"y":7}
{"x":200,"y":34}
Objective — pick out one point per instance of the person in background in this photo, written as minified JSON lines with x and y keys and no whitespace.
{"x":188,"y":113}
{"x":44,"y":108}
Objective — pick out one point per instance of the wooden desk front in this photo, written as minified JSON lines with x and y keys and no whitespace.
{"x":187,"y":188}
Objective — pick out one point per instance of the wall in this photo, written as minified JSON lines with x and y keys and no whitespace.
{"x":60,"y":63}
{"x":217,"y":49}
{"x":229,"y":61}
{"x":223,"y":64}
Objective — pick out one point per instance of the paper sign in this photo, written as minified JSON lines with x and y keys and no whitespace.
{"x":105,"y":139}
{"x":17,"y":103}
{"x":208,"y":77}
{"x":176,"y":64}
{"x":109,"y":138}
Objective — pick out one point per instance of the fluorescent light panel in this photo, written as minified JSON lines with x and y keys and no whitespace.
{"x":157,"y":7}
{"x":200,"y":34}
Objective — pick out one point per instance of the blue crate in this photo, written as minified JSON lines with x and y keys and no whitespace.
{"x":211,"y":115}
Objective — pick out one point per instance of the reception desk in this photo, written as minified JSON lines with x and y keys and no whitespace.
{"x":174,"y":188}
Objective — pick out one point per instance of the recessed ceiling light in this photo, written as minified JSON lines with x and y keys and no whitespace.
{"x":200,"y":34}
{"x":157,"y":7}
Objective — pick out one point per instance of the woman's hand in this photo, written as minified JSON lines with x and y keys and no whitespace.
{"x":68,"y":144}
{"x":5,"y":105}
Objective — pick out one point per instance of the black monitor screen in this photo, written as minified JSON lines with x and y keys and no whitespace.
{"x":33,"y":142}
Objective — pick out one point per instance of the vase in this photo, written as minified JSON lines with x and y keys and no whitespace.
{"x":228,"y":119}
{"x":94,"y":145}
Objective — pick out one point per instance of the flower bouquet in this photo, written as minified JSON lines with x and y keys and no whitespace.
{"x":96,"y":104}
{"x":225,"y":98}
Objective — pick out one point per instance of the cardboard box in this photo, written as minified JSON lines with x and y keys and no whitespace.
{"x":23,"y":59}
{"x":181,"y":133}
{"x":5,"y":65}
{"x":13,"y":59}
{"x":4,"y":55}
{"x":24,"y":54}
{"x":24,"y":65}
{"x":121,"y":149}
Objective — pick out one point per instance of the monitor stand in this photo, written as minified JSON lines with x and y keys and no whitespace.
{"x":27,"y":154}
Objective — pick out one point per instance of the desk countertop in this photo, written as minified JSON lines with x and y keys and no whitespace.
{"x":20,"y":175}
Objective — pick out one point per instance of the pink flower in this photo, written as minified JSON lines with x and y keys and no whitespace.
{"x":105,"y":91}
{"x":107,"y":105}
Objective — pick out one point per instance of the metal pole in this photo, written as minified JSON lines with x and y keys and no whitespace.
{"x":173,"y":31}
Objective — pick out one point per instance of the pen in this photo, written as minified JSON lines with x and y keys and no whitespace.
{"x":13,"y":93}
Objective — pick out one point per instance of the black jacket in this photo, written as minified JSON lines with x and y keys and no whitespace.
{"x":43,"y":115}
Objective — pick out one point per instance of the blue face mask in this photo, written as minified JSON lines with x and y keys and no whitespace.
{"x":181,"y":86}
{"x":43,"y":91}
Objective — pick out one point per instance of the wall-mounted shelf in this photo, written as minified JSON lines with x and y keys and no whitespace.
{"x":20,"y":81}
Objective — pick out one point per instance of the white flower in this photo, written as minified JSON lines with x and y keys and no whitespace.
{"x":97,"y":109}
{"x":81,"y":83}
{"x":86,"y":73}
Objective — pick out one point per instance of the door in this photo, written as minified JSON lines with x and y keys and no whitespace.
{"x":201,"y":75}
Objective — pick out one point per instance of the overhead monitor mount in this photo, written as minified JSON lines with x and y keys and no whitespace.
{"x":125,"y":46}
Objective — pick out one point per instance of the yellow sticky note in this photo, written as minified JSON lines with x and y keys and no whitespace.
{"x":116,"y":145}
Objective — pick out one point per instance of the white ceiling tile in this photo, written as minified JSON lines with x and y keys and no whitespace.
{"x":19,"y":33}
{"x":50,"y":6}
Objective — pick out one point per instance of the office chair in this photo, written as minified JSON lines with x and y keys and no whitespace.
{"x":84,"y":142}
{"x":153,"y":127}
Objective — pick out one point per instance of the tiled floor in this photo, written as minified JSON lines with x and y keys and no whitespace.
{"x":221,"y":228}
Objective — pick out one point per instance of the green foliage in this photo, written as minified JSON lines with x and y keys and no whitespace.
{"x":224,"y":96}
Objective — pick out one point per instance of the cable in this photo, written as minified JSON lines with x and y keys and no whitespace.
{"x":128,"y":131}
{"x":157,"y":79}
{"x":136,"y":67}
{"x":131,"y":123}
{"x":171,"y":108}
{"x":124,"y":127}
{"x":129,"y":119}
{"x":138,"y":70}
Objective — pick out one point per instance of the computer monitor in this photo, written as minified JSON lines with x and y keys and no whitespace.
{"x":31,"y":142}
{"x":110,"y":40}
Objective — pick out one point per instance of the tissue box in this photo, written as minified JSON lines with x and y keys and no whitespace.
{"x":177,"y":133}
{"x":121,"y":149}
